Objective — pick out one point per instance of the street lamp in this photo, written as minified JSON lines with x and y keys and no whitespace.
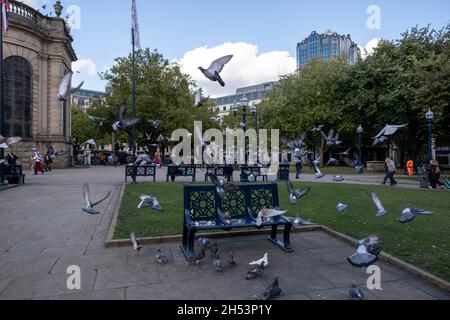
{"x":360,"y":132}
{"x":244,"y":103}
{"x":430,"y":116}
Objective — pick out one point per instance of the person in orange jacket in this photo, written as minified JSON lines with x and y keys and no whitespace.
{"x":410,"y":168}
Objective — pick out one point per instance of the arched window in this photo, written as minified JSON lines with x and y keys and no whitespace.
{"x":17,"y":97}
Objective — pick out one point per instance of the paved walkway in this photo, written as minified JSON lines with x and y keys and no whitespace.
{"x":43,"y":232}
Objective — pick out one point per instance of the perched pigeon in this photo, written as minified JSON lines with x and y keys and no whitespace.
{"x":407,"y":216}
{"x":6,"y":142}
{"x":367,"y":253}
{"x":296,"y":194}
{"x":264,"y":261}
{"x":214,"y":249}
{"x":342,"y":208}
{"x":217,"y":263}
{"x":232,"y":260}
{"x":198,"y":98}
{"x":419,"y":212}
{"x":161,"y":257}
{"x":273,"y":291}
{"x":65,"y":87}
{"x":266,"y":214}
{"x":213,"y":72}
{"x":338,"y":178}
{"x":90,"y":206}
{"x":123,"y":123}
{"x":136,"y":246}
{"x":387,"y":131}
{"x":198,"y":259}
{"x":256,"y":272}
{"x":356,"y":293}
{"x":150,"y":202}
{"x":381,"y":211}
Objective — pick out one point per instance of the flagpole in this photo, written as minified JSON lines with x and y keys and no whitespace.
{"x":2,"y":151}
{"x":134,"y":93}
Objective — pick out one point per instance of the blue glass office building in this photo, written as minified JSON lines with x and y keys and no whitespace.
{"x":326,"y":46}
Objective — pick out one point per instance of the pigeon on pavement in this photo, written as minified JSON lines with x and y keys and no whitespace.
{"x":273,"y":291}
{"x":136,"y":245}
{"x":161,"y":257}
{"x":89,"y":204}
{"x":264,"y":260}
{"x":367,"y":252}
{"x":356,"y":293}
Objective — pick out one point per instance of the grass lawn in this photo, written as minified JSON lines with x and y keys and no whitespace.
{"x":424,"y":243}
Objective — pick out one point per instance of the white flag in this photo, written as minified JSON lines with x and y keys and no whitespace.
{"x":135,"y":26}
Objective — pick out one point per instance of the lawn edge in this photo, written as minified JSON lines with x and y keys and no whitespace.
{"x":112,"y":227}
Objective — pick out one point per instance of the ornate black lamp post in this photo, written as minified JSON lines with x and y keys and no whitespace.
{"x":244,"y":105}
{"x":430,"y":116}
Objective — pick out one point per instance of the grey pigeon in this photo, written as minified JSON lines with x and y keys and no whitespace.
{"x":419,"y":212}
{"x":367,"y":252}
{"x":161,"y":257}
{"x":232,"y":260}
{"x":318,"y":128}
{"x":150,"y":202}
{"x":198,"y":98}
{"x":338,"y":178}
{"x":342,"y":208}
{"x":136,"y":245}
{"x":256,"y":272}
{"x":217,"y":263}
{"x":214,"y":249}
{"x":331,"y":139}
{"x":345,"y":153}
{"x":296,"y":194}
{"x":6,"y":142}
{"x":154,"y":123}
{"x":386,"y":132}
{"x":381,"y":211}
{"x":407,"y":216}
{"x":205,"y":242}
{"x":89,"y":204}
{"x":356,"y":293}
{"x":213,"y":72}
{"x":65,"y":87}
{"x":123,"y":122}
{"x":198,"y":259}
{"x":332,"y":162}
{"x":298,"y":222}
{"x":222,"y":187}
{"x":297,"y":143}
{"x":273,"y":291}
{"x":354,"y":164}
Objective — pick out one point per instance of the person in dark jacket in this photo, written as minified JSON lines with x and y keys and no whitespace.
{"x":298,"y":163}
{"x":435,"y":175}
{"x":11,"y":159}
{"x":48,"y":161}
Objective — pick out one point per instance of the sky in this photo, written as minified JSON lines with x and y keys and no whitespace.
{"x":261,"y":34}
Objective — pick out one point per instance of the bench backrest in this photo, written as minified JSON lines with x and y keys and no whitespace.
{"x":149,"y":171}
{"x":184,"y":171}
{"x":201,"y":200}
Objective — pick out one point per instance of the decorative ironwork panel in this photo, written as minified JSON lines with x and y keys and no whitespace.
{"x":235,"y":204}
{"x":262,"y":198}
{"x":129,"y":171}
{"x":150,"y":171}
{"x":203,"y":205}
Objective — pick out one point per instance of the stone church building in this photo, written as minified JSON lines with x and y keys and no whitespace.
{"x":37,"y":53}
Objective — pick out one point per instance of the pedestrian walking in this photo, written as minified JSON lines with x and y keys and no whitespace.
{"x":410,"y":168}
{"x":420,"y":167}
{"x":37,"y":162}
{"x":392,"y":168}
{"x":435,"y":175}
{"x":48,"y":161}
{"x":298,"y":162}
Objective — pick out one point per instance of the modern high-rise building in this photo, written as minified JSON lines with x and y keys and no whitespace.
{"x":85,"y":98}
{"x":326,"y":46}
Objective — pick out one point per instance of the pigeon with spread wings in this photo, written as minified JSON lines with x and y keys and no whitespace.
{"x":6,"y":142}
{"x":381,"y":211}
{"x":296,"y":194}
{"x":123,"y":122}
{"x":213,"y":72}
{"x":65,"y":87}
{"x":89,"y":204}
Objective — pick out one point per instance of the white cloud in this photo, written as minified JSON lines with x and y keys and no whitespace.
{"x":248,"y":66}
{"x":36,"y":3}
{"x":86,"y":65}
{"x":369,"y":48}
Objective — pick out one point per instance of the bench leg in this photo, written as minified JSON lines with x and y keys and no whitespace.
{"x":188,"y":244}
{"x":283,"y":245}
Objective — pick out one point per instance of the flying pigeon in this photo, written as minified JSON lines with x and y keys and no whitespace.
{"x":223,"y":214}
{"x":273,"y":291}
{"x":354,"y":164}
{"x":419,"y":212}
{"x":297,"y":143}
{"x":264,"y":261}
{"x":217,"y":263}
{"x":296,"y":194}
{"x":345,"y":153}
{"x":155,"y":123}
{"x":256,"y":272}
{"x":298,"y":222}
{"x":198,"y":98}
{"x":6,"y":142}
{"x":90,"y":206}
{"x":123,"y":123}
{"x":223,"y":188}
{"x":332,"y":162}
{"x":213,"y":72}
{"x":150,"y":202}
{"x":367,"y":252}
{"x":356,"y":293}
{"x":331,"y":139}
{"x":136,"y":246}
{"x":91,"y":142}
{"x":319,"y":174}
{"x":407,"y":216}
{"x":266,"y":214}
{"x":318,"y":128}
{"x":381,"y":211}
{"x":342,"y":208}
{"x":338,"y":178}
{"x":388,"y":130}
{"x":232,"y":260}
{"x":64,"y":87}
{"x":161,"y":257}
